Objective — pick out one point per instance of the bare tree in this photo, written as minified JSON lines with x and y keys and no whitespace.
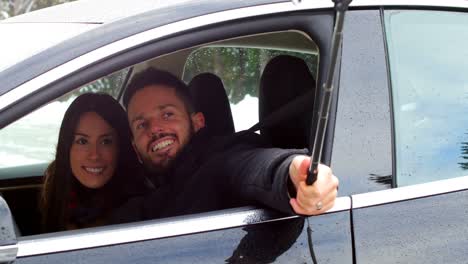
{"x":22,"y":6}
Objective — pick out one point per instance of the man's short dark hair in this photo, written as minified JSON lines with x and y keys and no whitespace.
{"x":153,"y":76}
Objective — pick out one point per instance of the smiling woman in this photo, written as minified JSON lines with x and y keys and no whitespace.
{"x":94,"y":155}
{"x":94,"y":151}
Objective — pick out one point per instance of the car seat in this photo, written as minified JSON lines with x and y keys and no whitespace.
{"x":284,"y":79}
{"x":210,"y":98}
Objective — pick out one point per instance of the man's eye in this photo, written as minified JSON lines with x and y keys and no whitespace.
{"x":167,"y":115}
{"x":81,"y":141}
{"x":140,"y":125}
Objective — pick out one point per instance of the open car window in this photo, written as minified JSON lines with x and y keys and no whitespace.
{"x":240,"y":69}
{"x":28,"y":145}
{"x":32,"y":139}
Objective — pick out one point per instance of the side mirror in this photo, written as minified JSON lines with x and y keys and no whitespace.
{"x":8,"y":243}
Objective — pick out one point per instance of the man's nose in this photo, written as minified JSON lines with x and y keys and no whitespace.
{"x":155,"y":126}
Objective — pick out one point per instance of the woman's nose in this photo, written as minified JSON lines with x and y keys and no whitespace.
{"x":93,"y":152}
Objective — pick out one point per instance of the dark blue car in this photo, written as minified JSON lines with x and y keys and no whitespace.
{"x":397,"y":136}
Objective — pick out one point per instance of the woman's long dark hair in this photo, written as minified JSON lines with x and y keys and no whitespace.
{"x":59,"y":180}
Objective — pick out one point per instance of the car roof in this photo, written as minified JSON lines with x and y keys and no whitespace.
{"x":91,"y":11}
{"x":120,"y":25}
{"x":105,"y":11}
{"x":130,"y":17}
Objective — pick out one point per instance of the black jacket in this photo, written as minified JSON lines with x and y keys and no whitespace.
{"x":217,"y":173}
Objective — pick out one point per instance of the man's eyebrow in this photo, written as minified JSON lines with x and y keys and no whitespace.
{"x":166,"y":106}
{"x":136,"y":118}
{"x":159,"y":107}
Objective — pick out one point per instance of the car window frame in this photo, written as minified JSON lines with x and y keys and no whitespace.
{"x":50,"y":86}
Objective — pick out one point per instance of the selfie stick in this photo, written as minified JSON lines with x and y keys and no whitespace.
{"x":340,"y":7}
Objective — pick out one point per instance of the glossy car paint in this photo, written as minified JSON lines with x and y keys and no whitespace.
{"x":284,"y":241}
{"x":155,"y":229}
{"x":252,"y":244}
{"x":425,"y":230}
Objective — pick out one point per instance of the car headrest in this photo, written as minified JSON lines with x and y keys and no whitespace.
{"x":284,"y":79}
{"x":210,"y":98}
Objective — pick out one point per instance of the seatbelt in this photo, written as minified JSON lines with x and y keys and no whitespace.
{"x":292,"y":108}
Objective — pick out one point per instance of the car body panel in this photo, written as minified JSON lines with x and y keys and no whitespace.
{"x":282,"y":241}
{"x":21,"y":35}
{"x":253,"y":244}
{"x":156,"y":229}
{"x":424,"y":230}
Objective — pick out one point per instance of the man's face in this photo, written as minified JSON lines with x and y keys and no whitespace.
{"x":161,"y":125}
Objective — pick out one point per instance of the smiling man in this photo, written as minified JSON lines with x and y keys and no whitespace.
{"x":161,"y":127}
{"x":193,"y":171}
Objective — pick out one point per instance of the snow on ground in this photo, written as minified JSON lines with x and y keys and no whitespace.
{"x":245,"y":113}
{"x":33,"y":138}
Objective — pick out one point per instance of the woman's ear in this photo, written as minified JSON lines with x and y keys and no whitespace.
{"x":198,"y":120}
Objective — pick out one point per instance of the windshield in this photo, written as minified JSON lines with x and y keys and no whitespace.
{"x":23,"y":40}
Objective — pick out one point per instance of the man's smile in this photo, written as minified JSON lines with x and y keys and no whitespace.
{"x":162,"y":144}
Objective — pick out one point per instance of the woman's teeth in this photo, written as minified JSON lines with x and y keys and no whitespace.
{"x":94,"y":170}
{"x":162,"y":145}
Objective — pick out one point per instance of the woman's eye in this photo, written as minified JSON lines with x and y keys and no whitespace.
{"x":81,"y":141}
{"x":107,"y":141}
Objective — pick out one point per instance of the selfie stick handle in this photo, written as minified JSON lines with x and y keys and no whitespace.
{"x":340,"y":7}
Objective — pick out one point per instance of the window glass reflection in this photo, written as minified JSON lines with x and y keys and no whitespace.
{"x":428,"y":64}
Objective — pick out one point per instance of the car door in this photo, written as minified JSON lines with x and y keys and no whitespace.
{"x":401,"y":124}
{"x":239,"y":235}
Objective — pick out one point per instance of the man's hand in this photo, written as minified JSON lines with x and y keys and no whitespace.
{"x":316,"y":198}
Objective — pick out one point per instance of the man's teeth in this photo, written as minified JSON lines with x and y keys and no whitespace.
{"x":94,"y":170}
{"x":162,"y":144}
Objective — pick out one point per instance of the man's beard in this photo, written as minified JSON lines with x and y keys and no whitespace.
{"x":167,"y":165}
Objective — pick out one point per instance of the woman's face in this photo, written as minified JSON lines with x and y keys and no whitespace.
{"x":94,"y":151}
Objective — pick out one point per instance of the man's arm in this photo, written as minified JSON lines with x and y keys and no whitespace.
{"x":262,"y":175}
